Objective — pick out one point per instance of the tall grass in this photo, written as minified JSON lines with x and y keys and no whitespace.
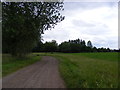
{"x":89,"y":70}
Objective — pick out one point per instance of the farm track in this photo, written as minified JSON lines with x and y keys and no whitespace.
{"x":42,"y":74}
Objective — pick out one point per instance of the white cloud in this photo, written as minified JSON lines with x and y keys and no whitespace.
{"x":98,"y":22}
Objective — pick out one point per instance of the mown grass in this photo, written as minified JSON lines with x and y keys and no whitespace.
{"x":89,"y":70}
{"x":11,"y":64}
{"x":101,"y":56}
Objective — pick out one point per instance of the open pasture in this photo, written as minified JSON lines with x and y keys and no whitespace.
{"x":89,"y":70}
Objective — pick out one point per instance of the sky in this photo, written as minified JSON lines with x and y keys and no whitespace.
{"x":94,"y":21}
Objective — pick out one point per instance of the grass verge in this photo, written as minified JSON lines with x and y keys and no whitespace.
{"x":11,"y":64}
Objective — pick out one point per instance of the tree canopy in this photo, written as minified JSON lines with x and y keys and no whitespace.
{"x":89,"y":44}
{"x":51,"y":46}
{"x":24,"y":22}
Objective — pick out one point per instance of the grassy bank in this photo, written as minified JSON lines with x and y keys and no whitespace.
{"x":11,"y":64}
{"x":89,"y":70}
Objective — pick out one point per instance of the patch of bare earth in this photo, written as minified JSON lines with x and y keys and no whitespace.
{"x":42,"y":74}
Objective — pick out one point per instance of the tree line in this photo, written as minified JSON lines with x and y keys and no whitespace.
{"x":71,"y":46}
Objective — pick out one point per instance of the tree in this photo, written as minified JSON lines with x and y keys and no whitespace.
{"x":39,"y":47}
{"x":94,"y":49}
{"x":64,"y":47}
{"x":51,"y":46}
{"x":89,"y":44}
{"x":108,"y":50}
{"x":24,"y":22}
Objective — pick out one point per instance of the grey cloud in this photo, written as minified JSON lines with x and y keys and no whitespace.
{"x":87,"y":5}
{"x":58,"y":35}
{"x":91,"y":28}
{"x":80,"y":23}
{"x":99,"y":30}
{"x":100,"y":41}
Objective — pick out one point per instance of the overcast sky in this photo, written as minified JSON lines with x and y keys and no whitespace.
{"x":94,"y":21}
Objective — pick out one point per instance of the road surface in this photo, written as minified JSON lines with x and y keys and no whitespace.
{"x":42,"y":74}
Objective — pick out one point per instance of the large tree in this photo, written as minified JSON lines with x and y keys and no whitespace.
{"x":51,"y":46}
{"x":24,"y":22}
{"x":89,"y":44}
{"x":64,"y":47}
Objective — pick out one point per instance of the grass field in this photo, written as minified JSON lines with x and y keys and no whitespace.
{"x":11,"y":64}
{"x":79,"y":70}
{"x":89,"y":70}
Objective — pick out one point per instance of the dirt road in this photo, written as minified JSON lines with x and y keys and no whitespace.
{"x":43,"y":74}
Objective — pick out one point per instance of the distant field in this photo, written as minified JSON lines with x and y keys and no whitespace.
{"x":11,"y":64}
{"x":101,"y":56}
{"x":89,"y":70}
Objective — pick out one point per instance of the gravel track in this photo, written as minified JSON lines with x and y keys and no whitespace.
{"x":42,"y":74}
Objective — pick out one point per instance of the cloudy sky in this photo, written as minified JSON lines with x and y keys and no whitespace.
{"x":94,"y":21}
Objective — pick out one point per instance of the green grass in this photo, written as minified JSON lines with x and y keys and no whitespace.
{"x":89,"y":70}
{"x":11,"y":64}
{"x":79,"y":70}
{"x":101,"y":56}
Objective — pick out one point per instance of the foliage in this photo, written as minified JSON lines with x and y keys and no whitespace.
{"x":39,"y":47}
{"x":24,"y":22}
{"x":89,"y":44}
{"x":64,"y":47}
{"x":51,"y":46}
{"x":71,"y":46}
